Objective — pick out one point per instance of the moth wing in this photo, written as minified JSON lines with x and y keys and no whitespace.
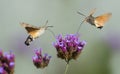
{"x":32,"y":30}
{"x":100,"y":20}
{"x":92,"y":11}
{"x":29,"y":28}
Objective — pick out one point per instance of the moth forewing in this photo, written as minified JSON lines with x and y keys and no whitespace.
{"x":27,"y":25}
{"x":92,"y":11}
{"x":29,"y":28}
{"x":100,"y":20}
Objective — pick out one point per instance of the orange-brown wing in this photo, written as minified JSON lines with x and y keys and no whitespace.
{"x":29,"y":28}
{"x":100,"y":20}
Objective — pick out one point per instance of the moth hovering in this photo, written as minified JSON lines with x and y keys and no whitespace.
{"x":34,"y":32}
{"x":98,"y":21}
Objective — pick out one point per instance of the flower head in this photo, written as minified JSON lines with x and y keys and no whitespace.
{"x":39,"y":60}
{"x":7,"y":63}
{"x":68,"y":47}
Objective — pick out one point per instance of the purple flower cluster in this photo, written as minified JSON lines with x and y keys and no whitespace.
{"x":39,"y":60}
{"x":7,"y":63}
{"x":68,"y":47}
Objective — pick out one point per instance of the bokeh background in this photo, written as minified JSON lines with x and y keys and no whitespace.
{"x":100,"y":55}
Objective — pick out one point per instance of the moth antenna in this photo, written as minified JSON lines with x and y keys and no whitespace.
{"x":46,"y":27}
{"x":81,"y":14}
{"x":46,"y":23}
{"x":80,"y":25}
{"x":52,"y":32}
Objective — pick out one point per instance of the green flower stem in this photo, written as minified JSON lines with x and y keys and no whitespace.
{"x":66,"y":68}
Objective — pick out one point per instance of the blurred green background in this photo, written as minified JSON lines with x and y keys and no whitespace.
{"x":100,"y":55}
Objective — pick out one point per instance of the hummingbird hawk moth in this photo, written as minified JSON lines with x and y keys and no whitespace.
{"x":98,"y":21}
{"x":34,"y":31}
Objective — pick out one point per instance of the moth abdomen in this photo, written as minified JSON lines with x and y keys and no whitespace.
{"x":28,"y":40}
{"x":100,"y":27}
